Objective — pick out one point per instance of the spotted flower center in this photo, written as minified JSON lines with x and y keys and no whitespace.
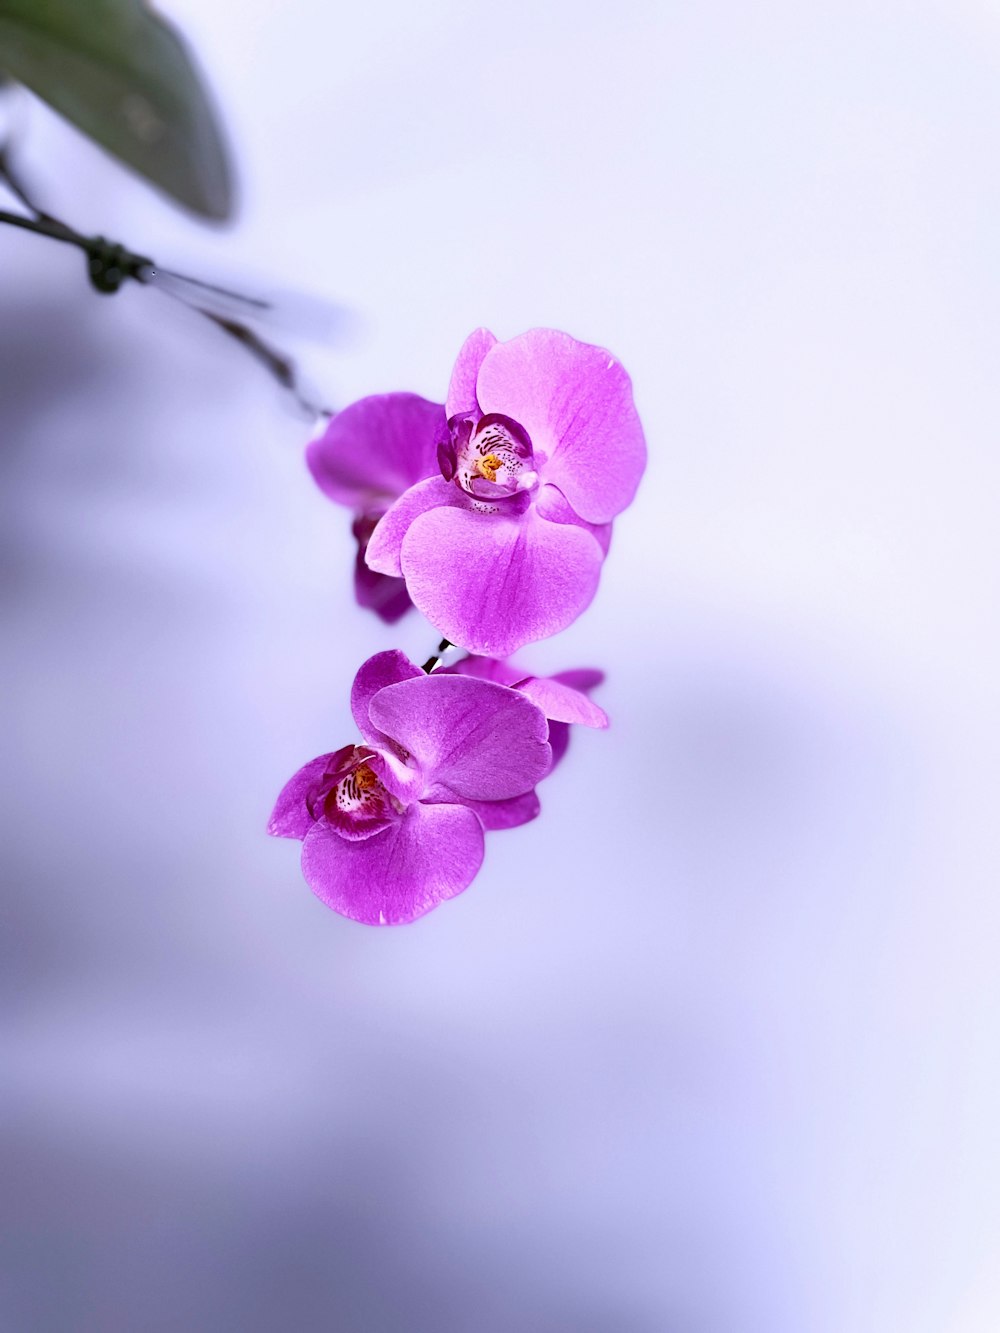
{"x":352,"y":796}
{"x":490,"y":457}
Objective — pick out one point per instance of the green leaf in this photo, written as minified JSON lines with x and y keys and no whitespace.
{"x":124,"y":77}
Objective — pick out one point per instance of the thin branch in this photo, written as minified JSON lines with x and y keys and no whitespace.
{"x":110,"y":264}
{"x":436,"y":656}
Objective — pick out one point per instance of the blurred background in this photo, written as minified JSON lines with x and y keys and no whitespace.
{"x":712,"y":1046}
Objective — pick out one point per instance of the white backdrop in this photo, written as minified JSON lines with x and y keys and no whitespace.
{"x":713,"y":1044}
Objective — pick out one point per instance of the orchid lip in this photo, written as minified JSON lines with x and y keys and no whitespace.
{"x":351,"y":795}
{"x":489,"y":457}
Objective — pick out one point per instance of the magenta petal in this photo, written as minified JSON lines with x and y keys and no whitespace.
{"x":559,"y":740}
{"x":431,"y":854}
{"x":512,"y":813}
{"x":485,"y":741}
{"x":552,"y":504}
{"x":381,"y":593}
{"x":378,"y":446}
{"x":383,"y":553}
{"x":462,"y":389}
{"x":290,"y":817}
{"x":561,"y":703}
{"x":575,"y":401}
{"x":581,"y":678}
{"x":485,"y":668}
{"x":387,"y":668}
{"x":491,"y":583}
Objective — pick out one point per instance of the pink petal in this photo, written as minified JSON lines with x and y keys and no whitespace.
{"x":462,"y":389}
{"x":381,"y":593}
{"x":581,"y":678}
{"x":485,"y":668}
{"x":491,"y":583}
{"x":290,"y":817}
{"x":377,"y":447}
{"x":575,"y":401}
{"x":561,"y":703}
{"x":493,"y":815}
{"x":431,"y":854}
{"x":552,"y":504}
{"x":485,"y":741}
{"x":386,"y":541}
{"x":387,"y":668}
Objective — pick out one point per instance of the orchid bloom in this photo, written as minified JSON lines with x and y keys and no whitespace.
{"x":544,"y":449}
{"x":563,"y":698}
{"x":393,"y":825}
{"x":369,"y":454}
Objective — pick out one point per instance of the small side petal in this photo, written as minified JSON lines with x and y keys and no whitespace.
{"x":384,"y":546}
{"x":485,"y":668}
{"x":378,"y":446}
{"x":559,"y":740}
{"x":581,"y":678}
{"x":552,"y":504}
{"x":388,"y":668}
{"x":575,"y":401}
{"x":462,"y":389}
{"x":561,"y":703}
{"x":381,"y":593}
{"x":484,"y":741}
{"x":431,"y":854}
{"x":491,"y":583}
{"x":493,"y":815}
{"x":290,"y":817}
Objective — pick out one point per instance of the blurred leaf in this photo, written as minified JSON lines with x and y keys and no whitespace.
{"x":124,"y":77}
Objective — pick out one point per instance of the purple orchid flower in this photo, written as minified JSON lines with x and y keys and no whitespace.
{"x":393,"y":826}
{"x":369,"y":455}
{"x":563,"y":698}
{"x":544,"y":449}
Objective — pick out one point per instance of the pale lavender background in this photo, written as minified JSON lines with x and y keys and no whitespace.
{"x":713,"y":1046}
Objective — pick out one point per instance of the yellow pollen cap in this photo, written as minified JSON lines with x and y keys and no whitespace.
{"x":489,"y":466}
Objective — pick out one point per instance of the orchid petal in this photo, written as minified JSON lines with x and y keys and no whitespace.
{"x":381,"y":593}
{"x":385,"y":544}
{"x":493,"y":583}
{"x":388,"y":668}
{"x":575,"y":401}
{"x":561,"y":703}
{"x":485,"y":741}
{"x":291,"y":817}
{"x":553,"y":505}
{"x":432,"y":853}
{"x":493,"y":815}
{"x":377,"y":447}
{"x":581,"y":678}
{"x":462,"y":389}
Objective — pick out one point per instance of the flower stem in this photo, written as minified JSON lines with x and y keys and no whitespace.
{"x":436,"y":656}
{"x":109,"y":265}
